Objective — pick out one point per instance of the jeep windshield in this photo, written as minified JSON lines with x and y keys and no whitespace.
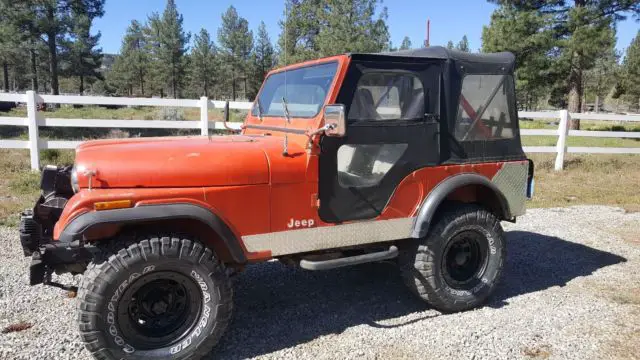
{"x":304,"y":90}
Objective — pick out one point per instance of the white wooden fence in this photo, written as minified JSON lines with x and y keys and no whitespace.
{"x":563,"y":132}
{"x":36,"y":119}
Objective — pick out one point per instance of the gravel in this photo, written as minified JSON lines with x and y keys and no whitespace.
{"x":571,"y":291}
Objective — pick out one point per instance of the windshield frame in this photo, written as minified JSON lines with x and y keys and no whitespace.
{"x":257,"y":102}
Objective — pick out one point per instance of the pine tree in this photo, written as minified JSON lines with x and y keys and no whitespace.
{"x":463,"y":45}
{"x":406,"y":43}
{"x":131,"y":67}
{"x":580,"y":30}
{"x":299,"y":30}
{"x":10,"y":49}
{"x":203,"y":64}
{"x":134,"y":54}
{"x":120,"y":78}
{"x":172,"y":47}
{"x":51,"y":21}
{"x":314,"y":28}
{"x":518,"y":32}
{"x":84,"y":58}
{"x":631,"y":72}
{"x":602,"y":77}
{"x":450,"y":45}
{"x":236,"y":43}
{"x":156,"y":76}
{"x":350,"y":26}
{"x":263,"y":59}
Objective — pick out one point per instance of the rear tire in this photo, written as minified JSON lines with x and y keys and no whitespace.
{"x":154,"y":299}
{"x":458,"y":265}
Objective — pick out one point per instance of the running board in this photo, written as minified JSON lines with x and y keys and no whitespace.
{"x":350,"y":260}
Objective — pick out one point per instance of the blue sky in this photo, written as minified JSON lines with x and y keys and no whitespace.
{"x":450,"y":19}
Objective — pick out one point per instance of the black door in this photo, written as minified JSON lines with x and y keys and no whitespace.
{"x":392,"y":130}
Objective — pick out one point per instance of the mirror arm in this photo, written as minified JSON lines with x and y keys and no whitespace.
{"x":226,"y":117}
{"x":321,"y":130}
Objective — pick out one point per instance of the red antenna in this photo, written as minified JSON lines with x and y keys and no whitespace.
{"x":426,"y":42}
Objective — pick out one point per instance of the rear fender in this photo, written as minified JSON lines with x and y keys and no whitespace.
{"x":440,"y":193}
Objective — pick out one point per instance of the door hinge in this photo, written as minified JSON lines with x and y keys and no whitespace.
{"x":315,"y":201}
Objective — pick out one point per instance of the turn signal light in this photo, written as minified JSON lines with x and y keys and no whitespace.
{"x":110,"y":205}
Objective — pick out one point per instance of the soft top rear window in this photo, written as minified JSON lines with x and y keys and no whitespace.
{"x":483,"y":109}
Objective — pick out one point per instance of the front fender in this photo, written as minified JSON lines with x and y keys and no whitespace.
{"x":83,"y":223}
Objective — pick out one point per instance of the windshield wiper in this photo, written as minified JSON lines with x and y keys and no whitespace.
{"x":285,"y":108}
{"x":287,"y":119}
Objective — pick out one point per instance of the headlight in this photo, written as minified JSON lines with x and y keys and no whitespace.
{"x":74,"y":180}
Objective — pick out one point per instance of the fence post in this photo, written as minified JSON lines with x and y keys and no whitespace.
{"x":32,"y":119}
{"x":563,"y":132}
{"x":204,"y":116}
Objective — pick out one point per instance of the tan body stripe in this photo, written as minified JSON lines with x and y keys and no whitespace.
{"x":330,"y":237}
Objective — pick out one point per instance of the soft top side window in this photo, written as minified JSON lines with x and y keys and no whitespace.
{"x":483,"y":109}
{"x":387,"y":96}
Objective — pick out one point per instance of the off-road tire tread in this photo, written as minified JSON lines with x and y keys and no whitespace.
{"x":117,"y":256}
{"x":418,"y":272}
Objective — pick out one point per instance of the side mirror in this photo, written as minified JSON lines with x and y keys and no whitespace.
{"x":334,"y":118}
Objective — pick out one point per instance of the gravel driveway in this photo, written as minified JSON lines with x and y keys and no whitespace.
{"x":571,"y":290}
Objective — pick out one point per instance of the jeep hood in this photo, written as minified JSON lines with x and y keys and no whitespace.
{"x":174,"y":162}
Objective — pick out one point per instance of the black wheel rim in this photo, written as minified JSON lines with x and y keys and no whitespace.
{"x":464,"y":259}
{"x":159,"y":309}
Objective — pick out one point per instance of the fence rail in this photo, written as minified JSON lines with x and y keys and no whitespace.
{"x":35,"y":119}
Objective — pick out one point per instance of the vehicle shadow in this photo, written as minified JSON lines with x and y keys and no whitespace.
{"x":277,"y":307}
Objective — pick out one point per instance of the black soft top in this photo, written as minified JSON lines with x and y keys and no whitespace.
{"x":502,"y":62}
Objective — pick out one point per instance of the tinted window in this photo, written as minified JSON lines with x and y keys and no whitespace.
{"x":483,"y":110}
{"x":304,"y":89}
{"x":387,"y":96}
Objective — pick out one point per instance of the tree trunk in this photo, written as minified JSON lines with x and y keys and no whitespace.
{"x":597,"y":107}
{"x":575,"y":97}
{"x":245,"y":86}
{"x":34,"y":69}
{"x":53,"y":64}
{"x":81,"y":85}
{"x":5,"y":74}
{"x":53,"y":51}
{"x":233,"y":81}
{"x":233,"y":85}
{"x":141,"y":83}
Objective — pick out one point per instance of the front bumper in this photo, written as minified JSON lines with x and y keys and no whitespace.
{"x":36,"y":231}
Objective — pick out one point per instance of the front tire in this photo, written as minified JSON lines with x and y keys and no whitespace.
{"x":458,"y":265}
{"x":154,"y":299}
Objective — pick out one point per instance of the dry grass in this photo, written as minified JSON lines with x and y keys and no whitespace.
{"x":581,"y":141}
{"x":588,"y":179}
{"x":626,"y":344}
{"x":19,"y":186}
